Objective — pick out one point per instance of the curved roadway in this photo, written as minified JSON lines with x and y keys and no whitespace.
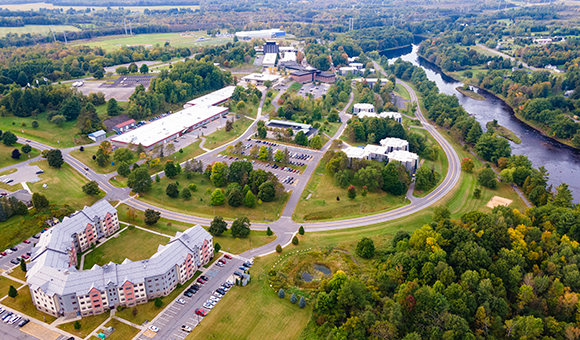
{"x":285,"y":227}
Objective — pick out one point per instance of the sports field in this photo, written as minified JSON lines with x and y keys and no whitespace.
{"x":39,"y":5}
{"x":183,"y":39}
{"x":36,"y":29}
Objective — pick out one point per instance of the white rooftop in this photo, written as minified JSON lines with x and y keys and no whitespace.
{"x":288,"y":56}
{"x":364,"y":106}
{"x":393,"y":115}
{"x":402,"y":156}
{"x":269,"y":59}
{"x":213,"y":98}
{"x":354,"y":152}
{"x":260,"y":33}
{"x":261,"y":77}
{"x":394,"y":142}
{"x":158,"y":130}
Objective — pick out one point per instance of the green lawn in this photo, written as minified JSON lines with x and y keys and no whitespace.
{"x":199,"y":203}
{"x":226,"y":241}
{"x":254,"y":311}
{"x":323,"y":205}
{"x":122,"y":330}
{"x":190,"y":151}
{"x":18,"y":273}
{"x":6,"y":155}
{"x":64,"y":186}
{"x":295,"y":87}
{"x":221,"y":137}
{"x":5,"y":284}
{"x":148,"y":311}
{"x":59,"y":137}
{"x":270,"y":108}
{"x":113,"y":42}
{"x":88,"y":324}
{"x":133,"y":244}
{"x":86,"y":157}
{"x":402,"y":91}
{"x":23,"y":303}
{"x":35,"y":29}
{"x":441,"y":165}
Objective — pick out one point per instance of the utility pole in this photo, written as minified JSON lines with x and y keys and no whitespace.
{"x":125,"y":23}
{"x":130,"y":29}
{"x":53,"y":35}
{"x":64,"y":33}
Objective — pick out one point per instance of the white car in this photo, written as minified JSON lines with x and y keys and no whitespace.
{"x":207,"y":305}
{"x":186,"y":328}
{"x":154,"y":328}
{"x":213,"y":298}
{"x":211,"y":302}
{"x":217,"y":294}
{"x":8,"y":251}
{"x":182,"y":301}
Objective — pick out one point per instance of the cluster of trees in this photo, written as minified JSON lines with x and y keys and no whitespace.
{"x":380,"y":38}
{"x":372,"y":176}
{"x":552,"y":54}
{"x":10,"y":207}
{"x":451,"y":58}
{"x":232,"y":54}
{"x":498,"y":275}
{"x":240,"y":227}
{"x":318,"y":55}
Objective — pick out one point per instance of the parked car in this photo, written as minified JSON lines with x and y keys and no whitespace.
{"x":186,"y":328}
{"x":3,"y":253}
{"x":14,"y":248}
{"x":40,"y":172}
{"x":200,"y":280}
{"x":201,"y":312}
{"x":14,"y":261}
{"x":205,"y":278}
{"x":37,"y":236}
{"x":154,"y":328}
{"x":228,"y":256}
{"x":217,"y":294}
{"x":26,"y":241}
{"x":188,"y":293}
{"x":23,"y":322}
{"x":242,"y":268}
{"x":207,"y":305}
{"x":24,"y":256}
{"x":181,"y":301}
{"x":238,"y":274}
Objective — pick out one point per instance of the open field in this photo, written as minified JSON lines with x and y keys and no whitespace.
{"x":88,"y":324}
{"x":221,"y":137}
{"x":86,"y":157}
{"x":46,"y":133}
{"x":199,"y":203}
{"x":23,"y":303}
{"x":254,"y":311}
{"x":35,"y":29}
{"x":402,"y":91}
{"x":323,"y":203}
{"x":133,"y":244}
{"x":148,"y":311}
{"x":39,"y":5}
{"x":6,"y":155}
{"x":64,"y":186}
{"x":18,"y":273}
{"x":112,"y":42}
{"x":5,"y":284}
{"x":226,"y":241}
{"x":122,"y":330}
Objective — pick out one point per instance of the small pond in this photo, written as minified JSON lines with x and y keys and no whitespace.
{"x":307,"y":277}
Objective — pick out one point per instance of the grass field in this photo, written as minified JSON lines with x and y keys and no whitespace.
{"x":23,"y":303}
{"x":221,"y":137}
{"x":88,"y":324}
{"x":35,"y":29}
{"x":254,"y":311}
{"x":323,"y":205}
{"x":148,"y":311}
{"x":64,"y":186}
{"x":86,"y":157}
{"x":59,"y":137}
{"x":133,"y":244}
{"x":112,"y":42}
{"x":18,"y":273}
{"x":38,"y":5}
{"x":122,"y":330}
{"x":5,"y":284}
{"x":402,"y":91}
{"x":6,"y":155}
{"x":199,"y":203}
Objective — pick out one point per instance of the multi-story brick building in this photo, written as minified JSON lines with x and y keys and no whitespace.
{"x":58,"y":288}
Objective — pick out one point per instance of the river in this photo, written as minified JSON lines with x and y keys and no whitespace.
{"x":562,"y":162}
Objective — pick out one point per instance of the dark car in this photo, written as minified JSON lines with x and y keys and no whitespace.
{"x":14,"y":248}
{"x":188,"y":294}
{"x":204,"y":277}
{"x":36,"y":236}
{"x":71,"y":338}
{"x":238,"y":274}
{"x":201,"y":312}
{"x":242,"y":268}
{"x":23,"y":322}
{"x":14,"y":261}
{"x":248,"y":264}
{"x":40,"y":172}
{"x":221,"y":291}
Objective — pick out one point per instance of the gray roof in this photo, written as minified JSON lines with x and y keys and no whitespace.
{"x":49,"y":268}
{"x":97,"y":133}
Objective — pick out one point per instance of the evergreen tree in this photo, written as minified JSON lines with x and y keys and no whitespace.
{"x":54,"y":158}
{"x":113,"y":108}
{"x":16,"y":154}
{"x":152,"y":216}
{"x":185,"y":193}
{"x":240,"y":227}
{"x":39,"y":201}
{"x":172,"y":190}
{"x":218,"y":226}
{"x":302,"y":302}
{"x":293,"y":298}
{"x":301,"y":230}
{"x":22,"y":265}
{"x":281,"y":293}
{"x":12,"y":292}
{"x":250,"y":199}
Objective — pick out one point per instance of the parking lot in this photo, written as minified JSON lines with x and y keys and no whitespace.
{"x":14,"y":326}
{"x":176,"y":315}
{"x":316,"y":90}
{"x":8,"y":255}
{"x":120,"y":94}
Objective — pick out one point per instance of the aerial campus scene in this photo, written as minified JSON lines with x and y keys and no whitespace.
{"x":289,"y":170}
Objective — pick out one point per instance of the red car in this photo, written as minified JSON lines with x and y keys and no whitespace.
{"x":200,"y":280}
{"x":228,"y":256}
{"x":25,"y":256}
{"x":201,"y":312}
{"x":26,"y":241}
{"x":3,"y":253}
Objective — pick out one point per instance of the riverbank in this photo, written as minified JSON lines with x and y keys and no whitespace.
{"x":470,"y":94}
{"x":530,"y":124}
{"x":504,"y":132}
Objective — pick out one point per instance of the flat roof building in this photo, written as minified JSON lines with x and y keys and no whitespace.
{"x":261,"y":34}
{"x":271,"y":47}
{"x":98,"y":135}
{"x":396,"y":116}
{"x":214,"y":98}
{"x":260,"y":78}
{"x":170,"y":127}
{"x":394,"y":144}
{"x":363,"y":107}
{"x":59,"y":289}
{"x":124,"y":126}
{"x":269,"y":59}
{"x":370,"y":81}
{"x":343,"y":71}
{"x":391,"y":149}
{"x":356,"y":65}
{"x":408,"y":159}
{"x":296,"y":127}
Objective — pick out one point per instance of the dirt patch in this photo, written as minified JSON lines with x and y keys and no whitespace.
{"x":496,"y":200}
{"x":149,"y":333}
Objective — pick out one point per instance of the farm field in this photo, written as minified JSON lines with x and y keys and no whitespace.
{"x":175,"y":39}
{"x":36,"y":29}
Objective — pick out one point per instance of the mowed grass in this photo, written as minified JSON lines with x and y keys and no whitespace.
{"x":199,"y":203}
{"x":441,"y":165}
{"x":133,"y":244}
{"x":5,"y":284}
{"x":183,"y":39}
{"x":323,"y":203}
{"x":23,"y":303}
{"x":6,"y":155}
{"x":18,"y":273}
{"x":226,"y":241}
{"x":35,"y":29}
{"x":191,"y":151}
{"x":221,"y":137}
{"x":64,"y":186}
{"x":88,"y":324}
{"x":86,"y":157}
{"x":58,"y":137}
{"x":122,"y":330}
{"x":402,"y":91}
{"x":148,"y":311}
{"x":254,"y":311}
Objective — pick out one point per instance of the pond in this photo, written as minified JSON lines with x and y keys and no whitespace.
{"x":307,"y":277}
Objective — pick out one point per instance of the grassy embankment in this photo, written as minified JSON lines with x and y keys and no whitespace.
{"x":221,"y":137}
{"x":470,"y":94}
{"x":504,"y":132}
{"x":88,"y":324}
{"x":6,"y":155}
{"x":86,"y":157}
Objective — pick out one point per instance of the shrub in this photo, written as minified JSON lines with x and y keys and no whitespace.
{"x":301,"y":230}
{"x":77,"y":325}
{"x":185,"y":193}
{"x":278,"y":248}
{"x":134,"y":311}
{"x":281,"y":293}
{"x":192,"y":187}
{"x":293,"y":298}
{"x":158,"y":302}
{"x":351,"y":192}
{"x":217,"y":248}
{"x":302,"y":302}
{"x":477,"y":193}
{"x":12,"y":292}
{"x":269,"y":232}
{"x":365,"y":248}
{"x":295,"y":240}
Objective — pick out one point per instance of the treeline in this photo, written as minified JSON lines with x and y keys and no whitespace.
{"x":380,"y":38}
{"x":452,"y":58}
{"x":497,"y":275}
{"x":229,"y":55}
